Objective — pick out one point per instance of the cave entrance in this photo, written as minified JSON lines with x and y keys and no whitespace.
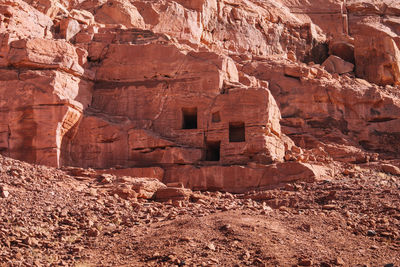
{"x":213,"y":150}
{"x":189,"y":118}
{"x":236,"y":132}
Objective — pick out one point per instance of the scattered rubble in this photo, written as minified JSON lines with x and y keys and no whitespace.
{"x":55,"y":217}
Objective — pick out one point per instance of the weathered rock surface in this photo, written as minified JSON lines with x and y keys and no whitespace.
{"x":38,"y":109}
{"x":44,"y":54}
{"x":239,"y":179}
{"x":222,"y":95}
{"x":173,"y":194}
{"x":18,"y":21}
{"x":377,"y":56}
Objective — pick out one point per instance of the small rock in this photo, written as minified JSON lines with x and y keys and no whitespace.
{"x":305,"y":262}
{"x":336,"y":65}
{"x":385,"y":234}
{"x":211,"y":246}
{"x":185,"y":239}
{"x":4,"y":194}
{"x":172,"y":258}
{"x":177,"y":203}
{"x":93,"y":192}
{"x":225,"y":208}
{"x":229,"y":196}
{"x":329,"y":207}
{"x":156,"y":255}
{"x":106,"y":178}
{"x":201,"y":202}
{"x":246,"y":255}
{"x":77,"y":249}
{"x":388,"y":168}
{"x":339,"y":261}
{"x":371,"y":233}
{"x":226,"y":227}
{"x":93,"y":232}
{"x":306,"y":227}
{"x":30,"y":241}
{"x":291,"y":56}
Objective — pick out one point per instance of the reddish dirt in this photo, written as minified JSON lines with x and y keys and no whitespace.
{"x":51,"y":218}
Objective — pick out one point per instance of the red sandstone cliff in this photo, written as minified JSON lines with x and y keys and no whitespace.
{"x":228,"y":95}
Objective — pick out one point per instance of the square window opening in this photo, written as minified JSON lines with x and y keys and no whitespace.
{"x":236,"y":132}
{"x":216,"y":117}
{"x":189,"y":118}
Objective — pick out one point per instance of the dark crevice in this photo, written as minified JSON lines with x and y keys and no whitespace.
{"x":293,"y":77}
{"x":318,"y":54}
{"x":109,"y":140}
{"x":383,"y":119}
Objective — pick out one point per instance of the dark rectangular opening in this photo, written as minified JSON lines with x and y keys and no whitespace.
{"x":213,"y":149}
{"x":189,"y":118}
{"x":236,"y":132}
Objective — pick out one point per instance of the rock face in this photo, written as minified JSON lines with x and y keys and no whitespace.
{"x":224,"y":95}
{"x":239,"y":179}
{"x":377,"y":57}
{"x":375,"y":28}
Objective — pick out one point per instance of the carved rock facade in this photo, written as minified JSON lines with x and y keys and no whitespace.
{"x":226,"y":95}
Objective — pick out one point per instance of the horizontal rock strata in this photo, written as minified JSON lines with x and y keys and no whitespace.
{"x":214,"y":94}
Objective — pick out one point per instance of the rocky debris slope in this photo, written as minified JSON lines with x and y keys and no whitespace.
{"x":79,"y":217}
{"x":236,"y":95}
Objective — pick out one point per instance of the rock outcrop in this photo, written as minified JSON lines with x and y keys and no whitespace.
{"x":215,"y":94}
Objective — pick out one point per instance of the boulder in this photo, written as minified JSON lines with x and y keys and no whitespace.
{"x":377,"y":56}
{"x":120,"y":12}
{"x":334,"y":64}
{"x":45,"y":54}
{"x":144,"y":187}
{"x":124,"y":192}
{"x":391,"y":169}
{"x":173,"y":194}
